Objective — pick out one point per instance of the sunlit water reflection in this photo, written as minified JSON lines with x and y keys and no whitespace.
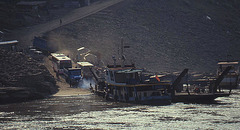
{"x":92,"y":112}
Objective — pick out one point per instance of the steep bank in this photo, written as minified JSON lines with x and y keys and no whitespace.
{"x":22,"y":78}
{"x":164,"y":35}
{"x":25,"y":36}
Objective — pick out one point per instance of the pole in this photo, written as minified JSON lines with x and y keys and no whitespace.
{"x":122,"y":56}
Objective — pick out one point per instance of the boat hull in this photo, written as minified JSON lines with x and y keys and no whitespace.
{"x":137,"y":94}
{"x":198,"y":98}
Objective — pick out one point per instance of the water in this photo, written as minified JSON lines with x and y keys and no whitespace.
{"x":93,"y":112}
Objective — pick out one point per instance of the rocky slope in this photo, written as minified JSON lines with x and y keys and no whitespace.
{"x":164,"y":35}
{"x":23,"y":78}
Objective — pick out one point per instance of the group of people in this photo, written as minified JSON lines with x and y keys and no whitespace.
{"x":196,"y":89}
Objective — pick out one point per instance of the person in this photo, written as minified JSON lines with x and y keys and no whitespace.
{"x":60,"y":22}
{"x":57,"y":74}
{"x":70,"y":83}
{"x":91,"y":88}
{"x":96,"y":88}
{"x":203,"y":90}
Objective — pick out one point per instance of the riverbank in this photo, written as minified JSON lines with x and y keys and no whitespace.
{"x":23,"y":78}
{"x":64,"y":88}
{"x":20,"y":92}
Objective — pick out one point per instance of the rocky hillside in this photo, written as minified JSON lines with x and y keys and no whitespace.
{"x":23,"y":77}
{"x":164,"y":35}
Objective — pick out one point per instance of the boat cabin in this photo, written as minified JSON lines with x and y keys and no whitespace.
{"x":123,"y":75}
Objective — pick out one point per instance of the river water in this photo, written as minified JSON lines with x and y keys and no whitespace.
{"x":93,"y":112}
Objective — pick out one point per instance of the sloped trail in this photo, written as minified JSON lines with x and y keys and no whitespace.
{"x":25,"y":35}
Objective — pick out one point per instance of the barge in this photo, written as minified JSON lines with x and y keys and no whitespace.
{"x":200,"y":93}
{"x":231,"y":80}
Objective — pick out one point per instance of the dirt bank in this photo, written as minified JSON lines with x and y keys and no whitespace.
{"x":26,"y":34}
{"x":23,"y":78}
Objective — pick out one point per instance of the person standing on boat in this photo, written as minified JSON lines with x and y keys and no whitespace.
{"x":60,"y":21}
{"x":70,"y":82}
{"x":96,"y":88}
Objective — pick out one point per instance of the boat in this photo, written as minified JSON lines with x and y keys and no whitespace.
{"x":127,"y":83}
{"x":202,"y":90}
{"x":231,"y":80}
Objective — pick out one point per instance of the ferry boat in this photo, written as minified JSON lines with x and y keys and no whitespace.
{"x":127,"y":84}
{"x":231,"y":80}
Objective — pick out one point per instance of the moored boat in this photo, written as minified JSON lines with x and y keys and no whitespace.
{"x":127,"y":84}
{"x":231,"y":80}
{"x":202,"y":91}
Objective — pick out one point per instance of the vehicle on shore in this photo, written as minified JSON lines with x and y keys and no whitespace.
{"x":42,"y":44}
{"x":60,"y":61}
{"x":85,"y":66}
{"x":72,"y":75}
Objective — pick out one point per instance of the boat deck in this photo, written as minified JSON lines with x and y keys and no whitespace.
{"x":197,"y":97}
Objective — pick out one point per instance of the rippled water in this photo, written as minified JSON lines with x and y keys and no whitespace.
{"x":92,"y":112}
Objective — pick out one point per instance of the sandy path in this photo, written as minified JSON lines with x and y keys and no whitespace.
{"x":64,"y":88}
{"x":25,"y":36}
